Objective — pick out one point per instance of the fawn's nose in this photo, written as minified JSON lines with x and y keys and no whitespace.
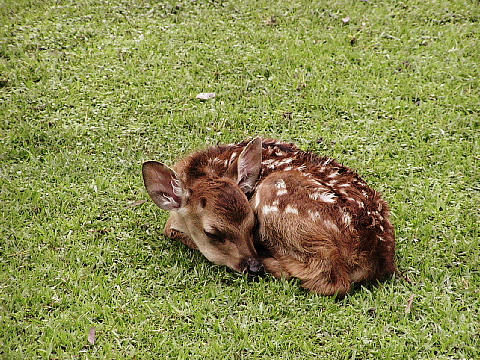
{"x":254,"y":267}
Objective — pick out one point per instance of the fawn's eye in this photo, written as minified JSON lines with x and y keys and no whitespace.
{"x":217,"y":237}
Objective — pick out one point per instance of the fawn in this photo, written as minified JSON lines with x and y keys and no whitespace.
{"x":268,"y":205}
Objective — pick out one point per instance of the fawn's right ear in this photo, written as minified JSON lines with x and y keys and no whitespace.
{"x":162,"y":185}
{"x":249,"y":165}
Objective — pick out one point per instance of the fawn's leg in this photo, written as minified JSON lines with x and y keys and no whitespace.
{"x":274,"y":267}
{"x":322,"y":276}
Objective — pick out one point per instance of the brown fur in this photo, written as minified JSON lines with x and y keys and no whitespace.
{"x":317,"y":220}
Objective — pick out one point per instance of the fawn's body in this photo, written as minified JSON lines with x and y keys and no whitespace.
{"x":316,"y":220}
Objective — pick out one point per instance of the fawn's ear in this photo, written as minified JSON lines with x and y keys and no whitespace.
{"x":162,"y":185}
{"x":249,"y":165}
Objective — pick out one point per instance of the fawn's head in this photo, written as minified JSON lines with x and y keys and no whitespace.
{"x":213,"y":211}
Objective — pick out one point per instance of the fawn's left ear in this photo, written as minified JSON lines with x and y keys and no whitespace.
{"x":249,"y":165}
{"x":162,"y":185}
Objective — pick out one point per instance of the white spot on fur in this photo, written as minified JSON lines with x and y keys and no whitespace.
{"x":347,"y":219}
{"x":360,"y":203}
{"x":288,"y":168}
{"x":319,"y":184}
{"x":291,"y":210}
{"x":323,"y":196}
{"x":272,"y":163}
{"x":282,"y":192}
{"x":267,"y":209}
{"x":280,"y":184}
{"x":332,"y":175}
{"x":285,"y":161}
{"x":314,"y":214}
{"x":275,"y":203}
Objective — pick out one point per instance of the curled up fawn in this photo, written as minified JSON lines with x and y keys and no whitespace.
{"x":267,"y":205}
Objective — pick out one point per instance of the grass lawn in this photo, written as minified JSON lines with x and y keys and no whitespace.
{"x":90,"y":89}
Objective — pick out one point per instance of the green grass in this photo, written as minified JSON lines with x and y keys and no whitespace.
{"x":90,"y":89}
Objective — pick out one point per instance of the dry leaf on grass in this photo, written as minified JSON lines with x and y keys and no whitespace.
{"x":406,"y":278}
{"x":136,"y":203}
{"x":91,"y":336}
{"x":206,"y":96}
{"x":272,"y":20}
{"x":408,"y":308}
